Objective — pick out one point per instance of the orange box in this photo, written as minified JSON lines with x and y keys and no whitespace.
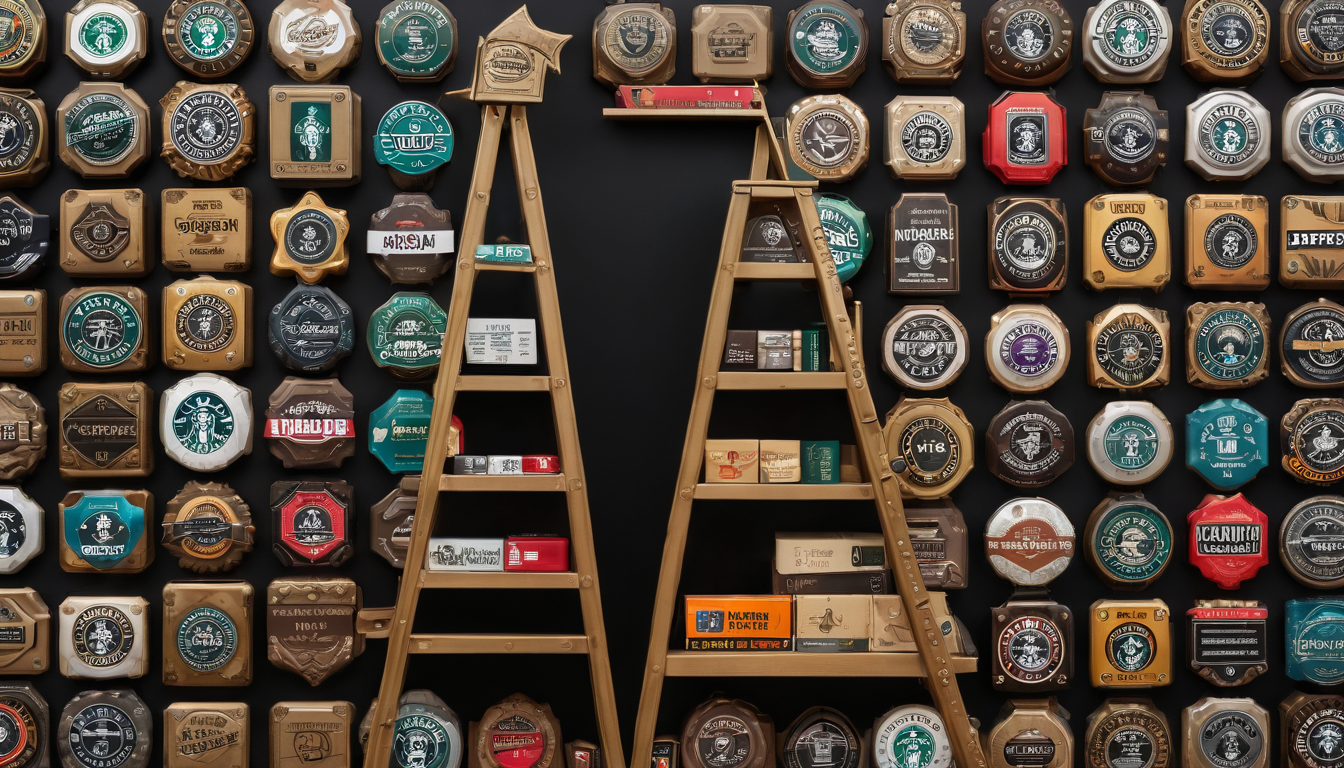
{"x":739,"y":622}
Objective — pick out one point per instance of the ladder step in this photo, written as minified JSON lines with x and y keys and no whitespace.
{"x":498,"y":383}
{"x":764,"y":380}
{"x":375,"y":622}
{"x":788,"y":664}
{"x":757,"y":270}
{"x":490,"y":266}
{"x":435,"y":644}
{"x":499,"y":580}
{"x":502,"y":483}
{"x":785,"y":492}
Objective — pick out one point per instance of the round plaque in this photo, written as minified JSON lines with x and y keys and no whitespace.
{"x":205,"y":422}
{"x":1029,"y":542}
{"x":1029,"y":444}
{"x":911,"y":735}
{"x":1129,"y":442}
{"x":1227,"y":136}
{"x":1028,"y":244}
{"x":826,"y":44}
{"x":821,"y":737}
{"x":417,"y":42}
{"x":1312,"y":436}
{"x":1226,"y":344}
{"x":1027,"y":348}
{"x":311,"y":329}
{"x":405,"y":335}
{"x":828,"y":137}
{"x":1128,"y":41}
{"x":1311,"y":542}
{"x":208,"y":130}
{"x":1128,"y":346}
{"x":1027,"y":42}
{"x":924,"y":347}
{"x":1128,"y":542}
{"x":208,"y":38}
{"x":1312,"y":345}
{"x":929,"y":443}
{"x":1227,"y":41}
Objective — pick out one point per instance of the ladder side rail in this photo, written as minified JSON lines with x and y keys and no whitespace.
{"x":583,"y":550}
{"x":379,"y":751}
{"x":933,"y":651}
{"x":692,"y":459}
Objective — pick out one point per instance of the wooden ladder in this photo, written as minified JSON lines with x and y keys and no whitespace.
{"x":396,"y":623}
{"x":934,"y":661}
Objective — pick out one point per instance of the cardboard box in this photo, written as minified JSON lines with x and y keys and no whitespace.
{"x":852,"y":583}
{"x":739,"y":623}
{"x":829,"y":552}
{"x":891,"y":627}
{"x":732,"y":461}
{"x":781,"y":461}
{"x":832,"y":623}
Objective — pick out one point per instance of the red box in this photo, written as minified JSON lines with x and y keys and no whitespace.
{"x":686,"y":97}
{"x":541,"y":465}
{"x":536,"y":553}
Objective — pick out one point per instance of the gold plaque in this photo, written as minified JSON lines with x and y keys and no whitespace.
{"x":209,"y":131}
{"x":1031,"y":732}
{"x":1126,"y":243}
{"x":310,"y":240}
{"x":1226,"y":344}
{"x":25,"y":632}
{"x":1131,"y":644}
{"x":25,"y":51}
{"x":207,"y":229}
{"x":1126,"y":725}
{"x":25,"y":159}
{"x":315,"y":135}
{"x":105,"y":430}
{"x":1311,"y":242}
{"x":313,"y":40}
{"x":924,"y":41}
{"x":106,"y":38}
{"x":828,"y":137}
{"x":207,"y":633}
{"x":105,"y":329}
{"x":205,"y":735}
{"x":931,"y":442}
{"x":1224,"y":41}
{"x":105,"y":232}
{"x":207,"y":527}
{"x":634,"y":44}
{"x":312,"y":734}
{"x":1128,"y":348}
{"x":1227,"y":731}
{"x":23,"y":332}
{"x":511,"y":61}
{"x":207,"y":325}
{"x":732,"y":43}
{"x":926,"y":137}
{"x":102,"y":130}
{"x":1227,"y":242}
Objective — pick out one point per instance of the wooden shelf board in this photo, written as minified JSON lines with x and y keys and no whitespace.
{"x":493,"y":266}
{"x":784,"y":491}
{"x":621,"y":113}
{"x":441,"y":644}
{"x":502,"y":483}
{"x":503,"y":383}
{"x":766,"y":380}
{"x":774,"y":664}
{"x":753,"y":270}
{"x":499,"y":580}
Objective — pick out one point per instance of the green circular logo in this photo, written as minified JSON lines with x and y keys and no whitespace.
{"x":103,"y":34}
{"x":824,"y":38}
{"x":1229,"y":345}
{"x":203,"y":423}
{"x":913,"y":747}
{"x":420,"y":741}
{"x":414,"y":138}
{"x":1132,"y":542}
{"x":1325,"y":133}
{"x":1131,"y":647}
{"x":407,"y":332}
{"x":206,"y":639}
{"x":1129,"y":36}
{"x":1131,"y":443}
{"x":101,"y":329}
{"x":416,"y":37}
{"x":102,"y":127}
{"x":208,"y":31}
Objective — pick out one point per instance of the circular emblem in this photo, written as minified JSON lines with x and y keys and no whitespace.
{"x":1229,"y":344}
{"x":1033,"y":445}
{"x":1312,"y":537}
{"x":1318,"y":31}
{"x":1130,"y":349}
{"x":203,"y":423}
{"x":1229,"y":134}
{"x":1317,"y":443}
{"x":637,"y":40}
{"x":1028,"y":348}
{"x":102,"y":736}
{"x":1230,"y":241}
{"x":208,"y":31}
{"x":102,"y":127}
{"x":1029,"y":35}
{"x":1231,"y":739}
{"x":206,"y":639}
{"x":1130,"y":134}
{"x":1031,"y":649}
{"x":1130,"y":32}
{"x":927,"y":36}
{"x":413,"y":138}
{"x":824,"y":738}
{"x":421,"y":741}
{"x":18,"y":729}
{"x":1128,"y":244}
{"x":17,"y":44}
{"x":926,"y":137}
{"x":312,"y":525}
{"x":912,"y":737}
{"x":102,"y":329}
{"x":1026,"y":245}
{"x":205,"y":323}
{"x":1131,"y":443}
{"x":20,"y":126}
{"x":1313,"y":343}
{"x":103,"y":636}
{"x":925,"y":350}
{"x":103,"y":33}
{"x":104,"y":533}
{"x":723,"y":742}
{"x":1320,"y":132}
{"x":1131,"y":542}
{"x":407,"y":332}
{"x":311,"y":328}
{"x":206,"y":127}
{"x":311,"y":237}
{"x":1131,"y":746}
{"x":932,"y":449}
{"x":1228,"y":30}
{"x":1323,"y":738}
{"x":827,"y":137}
{"x":205,"y":528}
{"x":1131,"y":647}
{"x":825,"y":38}
{"x":13,"y":530}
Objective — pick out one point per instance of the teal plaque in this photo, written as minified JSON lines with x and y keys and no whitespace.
{"x":1226,"y":443}
{"x":848,"y":234}
{"x":399,"y":430}
{"x":1314,"y":640}
{"x":103,"y":529}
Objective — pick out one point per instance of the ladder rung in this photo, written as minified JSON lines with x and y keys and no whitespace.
{"x":785,"y":491}
{"x":499,"y":644}
{"x":763,"y":380}
{"x":491,"y":266}
{"x":502,"y":483}
{"x":760,"y":270}
{"x":375,"y":622}
{"x":503,"y":383}
{"x":788,"y":664}
{"x":499,"y":580}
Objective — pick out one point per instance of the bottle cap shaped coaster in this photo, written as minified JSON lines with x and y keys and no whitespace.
{"x":1226,"y":344}
{"x":399,"y":430}
{"x":1312,"y":440}
{"x":1128,"y":348}
{"x":1227,"y":41}
{"x":1306,"y":51}
{"x":924,"y":347}
{"x":848,"y":236}
{"x":1228,"y":134}
{"x":105,"y":232}
{"x":634,"y":44}
{"x":104,"y":329}
{"x":926,"y":137}
{"x":929,"y":439}
{"x":1309,"y":722}
{"x":906,"y":730}
{"x":1028,"y":444}
{"x":417,"y":40}
{"x":25,"y":50}
{"x":1027,"y":42}
{"x":208,"y":527}
{"x":1028,"y":246}
{"x":414,"y":140}
{"x":1029,"y":542}
{"x":421,"y":713}
{"x":821,"y":724}
{"x":1311,"y":236}
{"x":25,"y":158}
{"x":1311,"y":140}
{"x":101,"y":728}
{"x":515,"y":716}
{"x":1129,"y":442}
{"x":313,"y":40}
{"x":102,"y":130}
{"x":1126,"y":138}
{"x":1311,"y":345}
{"x":1033,"y":728}
{"x":828,"y":137}
{"x":21,"y":526}
{"x":208,"y":38}
{"x":405,"y":335}
{"x":1121,"y":728}
{"x":209,"y":131}
{"x":826,"y":44}
{"x":1308,"y":626}
{"x":1027,"y":348}
{"x":1311,"y":542}
{"x":410,"y":240}
{"x":1128,"y":541}
{"x":205,"y":422}
{"x":106,"y":38}
{"x":1127,"y":42}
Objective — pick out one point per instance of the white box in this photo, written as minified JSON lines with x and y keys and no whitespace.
{"x":503,"y":465}
{"x":452,"y":554}
{"x":501,"y":341}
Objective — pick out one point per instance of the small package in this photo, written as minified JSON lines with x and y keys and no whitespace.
{"x":501,"y":341}
{"x":455,"y":554}
{"x":504,"y":465}
{"x":732,"y":461}
{"x":536,"y":553}
{"x":821,"y":461}
{"x":774,"y":350}
{"x":891,"y":626}
{"x":781,"y":461}
{"x":739,"y":622}
{"x":829,"y":552}
{"x":739,"y":351}
{"x":832,"y":623}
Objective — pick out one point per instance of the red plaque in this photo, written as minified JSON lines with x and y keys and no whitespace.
{"x":312,"y":522}
{"x":541,"y":465}
{"x":1229,"y":539}
{"x":536,"y":553}
{"x":1025,"y":141}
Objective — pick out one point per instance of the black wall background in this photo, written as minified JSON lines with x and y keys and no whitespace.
{"x":636,"y":213}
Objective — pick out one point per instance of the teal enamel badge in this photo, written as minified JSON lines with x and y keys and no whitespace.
{"x":417,"y":40}
{"x":103,"y":530}
{"x":1226,"y":442}
{"x":399,"y":430}
{"x":413,"y":138}
{"x":848,"y":234}
{"x":1314,"y":640}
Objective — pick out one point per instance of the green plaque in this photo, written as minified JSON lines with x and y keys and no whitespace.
{"x":413,"y":140}
{"x":1226,"y":442}
{"x":406,"y":334}
{"x":417,"y":40}
{"x":848,"y":235}
{"x":102,"y":330}
{"x":399,"y":430}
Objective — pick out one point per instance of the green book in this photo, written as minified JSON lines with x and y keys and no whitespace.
{"x":816,"y":355}
{"x":821,"y":461}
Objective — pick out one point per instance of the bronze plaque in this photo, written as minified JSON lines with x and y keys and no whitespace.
{"x":310,"y":626}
